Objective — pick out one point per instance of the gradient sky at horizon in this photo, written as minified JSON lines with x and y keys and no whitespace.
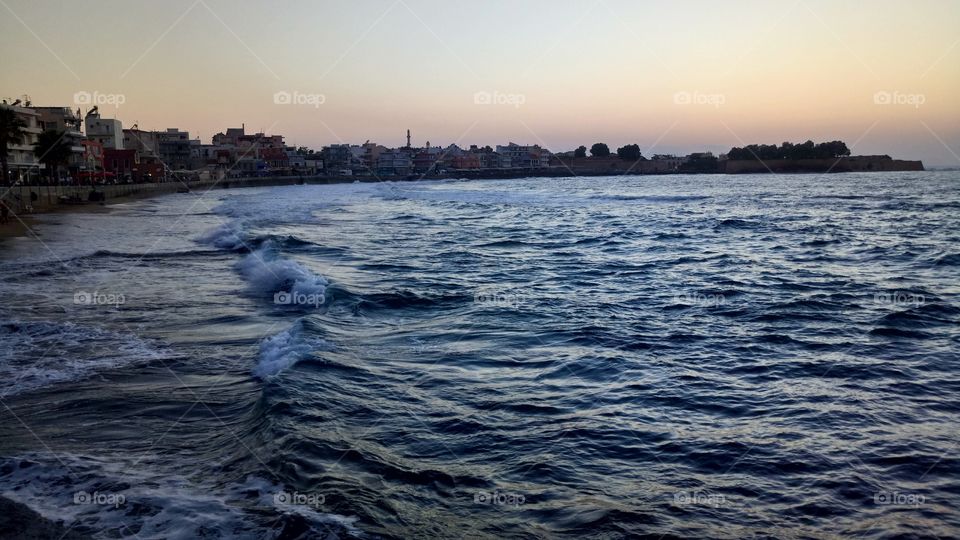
{"x":587,"y":71}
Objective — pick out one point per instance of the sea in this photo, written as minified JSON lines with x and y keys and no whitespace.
{"x":766,"y":356}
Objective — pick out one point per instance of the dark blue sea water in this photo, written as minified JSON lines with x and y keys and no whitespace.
{"x":662,"y":357}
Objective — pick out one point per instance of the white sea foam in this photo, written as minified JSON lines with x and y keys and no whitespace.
{"x":281,"y":351}
{"x":36,"y":354}
{"x":269,"y":273}
{"x":115,"y":498}
{"x":226,"y":236}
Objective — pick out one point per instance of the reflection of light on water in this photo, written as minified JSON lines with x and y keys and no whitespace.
{"x":555,"y":339}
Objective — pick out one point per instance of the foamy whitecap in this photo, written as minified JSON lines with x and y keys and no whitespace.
{"x":36,"y":354}
{"x":226,"y":236}
{"x":281,"y":351}
{"x":120,"y":497}
{"x":269,"y":273}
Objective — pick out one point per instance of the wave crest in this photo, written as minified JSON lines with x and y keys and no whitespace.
{"x":281,"y":351}
{"x":269,"y":273}
{"x":226,"y":236}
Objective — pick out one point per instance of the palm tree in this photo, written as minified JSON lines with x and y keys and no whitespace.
{"x":52,"y":149}
{"x":11,"y":132}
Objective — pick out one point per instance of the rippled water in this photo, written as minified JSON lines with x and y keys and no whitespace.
{"x":700,"y":356}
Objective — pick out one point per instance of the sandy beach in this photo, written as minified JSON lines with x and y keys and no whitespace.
{"x":22,"y":225}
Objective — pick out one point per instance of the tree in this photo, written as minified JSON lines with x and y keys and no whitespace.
{"x":701,"y":163}
{"x":787,"y":150}
{"x":630,"y":151}
{"x":806,"y":150}
{"x":599,"y":150}
{"x":580,"y":152}
{"x":831,"y":149}
{"x":11,"y":132}
{"x":738,"y":154}
{"x":52,"y":149}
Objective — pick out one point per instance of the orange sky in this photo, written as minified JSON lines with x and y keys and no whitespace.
{"x":672,"y":76}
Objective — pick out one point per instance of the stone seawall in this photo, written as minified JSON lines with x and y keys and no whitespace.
{"x":848,"y":164}
{"x":614,"y":165}
{"x":18,"y":198}
{"x":48,"y":197}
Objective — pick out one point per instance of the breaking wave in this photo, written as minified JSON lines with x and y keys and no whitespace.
{"x":281,"y":351}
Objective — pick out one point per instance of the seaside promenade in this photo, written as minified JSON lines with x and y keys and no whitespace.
{"x":24,"y":201}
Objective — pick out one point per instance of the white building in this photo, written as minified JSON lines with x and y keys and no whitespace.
{"x":63,"y":120}
{"x":145,"y":142}
{"x":20,"y":157}
{"x":527,"y":157}
{"x":106,"y":131}
{"x":393,"y":162}
{"x":295,"y":160}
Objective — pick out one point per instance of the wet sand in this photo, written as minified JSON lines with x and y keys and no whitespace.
{"x":22,"y":225}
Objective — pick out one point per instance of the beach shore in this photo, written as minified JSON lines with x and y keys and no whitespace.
{"x":21,"y":224}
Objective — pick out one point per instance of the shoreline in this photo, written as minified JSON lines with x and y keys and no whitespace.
{"x":20,"y":224}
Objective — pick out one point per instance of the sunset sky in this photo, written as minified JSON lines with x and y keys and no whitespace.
{"x":672,"y":76}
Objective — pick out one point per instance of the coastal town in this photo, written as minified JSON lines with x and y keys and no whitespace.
{"x":67,"y":146}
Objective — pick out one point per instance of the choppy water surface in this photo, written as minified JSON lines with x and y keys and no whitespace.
{"x":698,"y":356}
